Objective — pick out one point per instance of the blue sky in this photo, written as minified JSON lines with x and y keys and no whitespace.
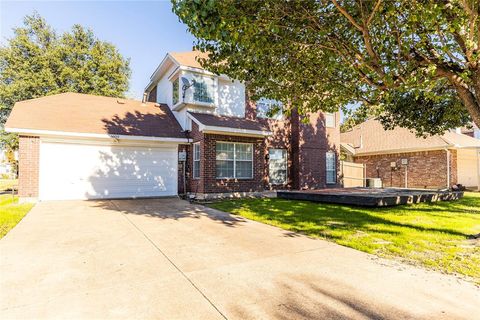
{"x":142,"y":30}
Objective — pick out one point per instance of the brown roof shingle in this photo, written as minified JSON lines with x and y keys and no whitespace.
{"x":189,"y":58}
{"x":228,"y":122}
{"x":83,"y":113}
{"x":370,"y":137}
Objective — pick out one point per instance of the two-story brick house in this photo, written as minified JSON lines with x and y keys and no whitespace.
{"x":198,"y":133}
{"x":236,"y":145}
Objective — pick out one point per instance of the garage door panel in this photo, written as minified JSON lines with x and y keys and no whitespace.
{"x":79,"y":171}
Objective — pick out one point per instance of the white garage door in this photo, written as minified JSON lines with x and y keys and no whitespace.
{"x":87,"y":171}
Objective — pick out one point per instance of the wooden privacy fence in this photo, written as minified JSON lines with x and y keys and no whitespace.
{"x":353,"y":174}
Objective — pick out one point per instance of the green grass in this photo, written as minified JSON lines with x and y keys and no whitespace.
{"x":11,"y":212}
{"x":434,"y":235}
{"x":8,"y":184}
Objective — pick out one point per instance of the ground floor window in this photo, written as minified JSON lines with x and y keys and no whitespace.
{"x":234,"y":160}
{"x":277,"y":166}
{"x":331,"y":167}
{"x":196,"y":160}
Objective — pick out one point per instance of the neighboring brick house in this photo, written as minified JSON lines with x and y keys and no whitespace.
{"x":401,"y":159}
{"x":195,"y":132}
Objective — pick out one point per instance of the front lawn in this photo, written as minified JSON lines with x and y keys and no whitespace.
{"x":435,"y":235}
{"x":11,"y":212}
{"x":8,"y":184}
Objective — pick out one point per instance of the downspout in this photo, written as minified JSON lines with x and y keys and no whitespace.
{"x":187,"y":135}
{"x":478,"y":168}
{"x":448,"y":168}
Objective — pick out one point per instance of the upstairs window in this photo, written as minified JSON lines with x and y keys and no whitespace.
{"x":330,"y":120}
{"x":265,"y":108}
{"x":331,"y":167}
{"x":175,"y":91}
{"x":203,"y":89}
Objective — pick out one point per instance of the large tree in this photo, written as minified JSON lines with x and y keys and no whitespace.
{"x":37,"y":62}
{"x":416,"y":60}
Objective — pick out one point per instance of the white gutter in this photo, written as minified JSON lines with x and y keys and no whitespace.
{"x":478,"y":168}
{"x":234,"y":131}
{"x":228,"y":130}
{"x":448,"y":168}
{"x":406,"y":150}
{"x":94,"y":135}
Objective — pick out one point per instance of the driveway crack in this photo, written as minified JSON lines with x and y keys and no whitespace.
{"x":169,"y":260}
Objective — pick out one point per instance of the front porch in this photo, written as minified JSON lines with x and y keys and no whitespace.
{"x":371,"y":197}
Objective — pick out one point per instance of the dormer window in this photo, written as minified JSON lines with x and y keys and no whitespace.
{"x":176,"y":91}
{"x":203,"y":89}
{"x":266,"y":109}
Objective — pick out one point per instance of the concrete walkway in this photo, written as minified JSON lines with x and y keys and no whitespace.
{"x":166,"y":259}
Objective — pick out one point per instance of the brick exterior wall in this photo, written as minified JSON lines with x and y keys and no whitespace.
{"x":214,"y":185}
{"x":306,"y":141}
{"x":426,"y":169}
{"x":28,"y":166}
{"x":315,"y":140}
{"x":152,"y":95}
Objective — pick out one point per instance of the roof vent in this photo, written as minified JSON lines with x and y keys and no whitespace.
{"x":120,"y":101}
{"x":145,"y":96}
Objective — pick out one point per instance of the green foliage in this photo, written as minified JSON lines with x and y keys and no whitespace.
{"x":11,"y":212}
{"x":436,"y":235}
{"x":37,"y":62}
{"x":323,"y":55}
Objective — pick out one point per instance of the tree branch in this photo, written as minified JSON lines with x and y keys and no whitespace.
{"x":375,"y":8}
{"x":347,"y":15}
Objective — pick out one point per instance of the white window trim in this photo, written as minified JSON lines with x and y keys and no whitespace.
{"x":213,"y":87}
{"x":180,"y":97}
{"x":334,"y":116}
{"x":326,"y":167}
{"x":196,"y":160}
{"x":269,"y":103}
{"x":234,"y":160}
{"x":286,"y":167}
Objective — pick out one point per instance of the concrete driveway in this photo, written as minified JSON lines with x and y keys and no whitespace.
{"x":167,"y":259}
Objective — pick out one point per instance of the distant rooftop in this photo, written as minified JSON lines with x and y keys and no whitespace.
{"x":370,"y":137}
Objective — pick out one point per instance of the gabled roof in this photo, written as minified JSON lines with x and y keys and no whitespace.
{"x":370,"y":137}
{"x":189,"y":58}
{"x":228,"y":125}
{"x":90,"y":114}
{"x":186,"y":59}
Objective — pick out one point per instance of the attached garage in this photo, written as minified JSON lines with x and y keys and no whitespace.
{"x":94,"y":171}
{"x":468,"y":164}
{"x":77,"y":146}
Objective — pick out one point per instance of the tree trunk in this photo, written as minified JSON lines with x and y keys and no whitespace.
{"x":471,"y":104}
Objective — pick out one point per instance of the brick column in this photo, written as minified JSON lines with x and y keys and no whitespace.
{"x":28,"y":166}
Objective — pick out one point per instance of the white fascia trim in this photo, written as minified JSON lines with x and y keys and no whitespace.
{"x":94,"y":135}
{"x":174,"y":73}
{"x":373,"y":153}
{"x":189,"y":69}
{"x":457,"y":146}
{"x":154,"y":74}
{"x":235,"y":131}
{"x":229,"y":131}
{"x":197,"y":70}
{"x":194,"y":120}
